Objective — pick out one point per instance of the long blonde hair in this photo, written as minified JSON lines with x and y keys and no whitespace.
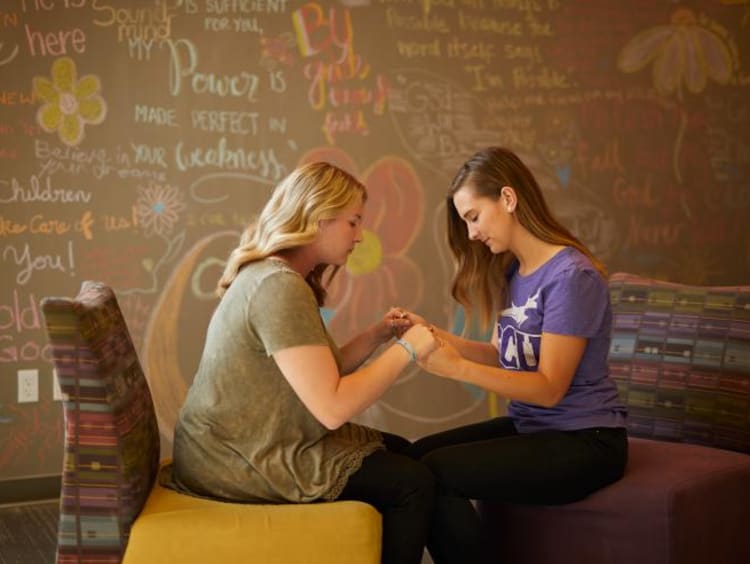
{"x":480,"y":283}
{"x":311,"y":193}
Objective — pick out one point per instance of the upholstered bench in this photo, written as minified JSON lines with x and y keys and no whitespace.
{"x":112,"y":506}
{"x":173,"y":527}
{"x":681,"y":357}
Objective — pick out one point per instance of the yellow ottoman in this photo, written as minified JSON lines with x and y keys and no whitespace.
{"x":174,"y":527}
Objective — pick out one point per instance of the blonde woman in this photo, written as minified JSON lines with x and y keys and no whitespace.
{"x":267,"y":416}
{"x":564,"y":436}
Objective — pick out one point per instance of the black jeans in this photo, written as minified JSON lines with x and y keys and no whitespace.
{"x":403,"y":491}
{"x":492,"y":461}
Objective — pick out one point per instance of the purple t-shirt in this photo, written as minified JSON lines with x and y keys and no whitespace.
{"x":565,"y":296}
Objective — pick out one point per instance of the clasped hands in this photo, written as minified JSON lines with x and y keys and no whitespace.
{"x":434,"y":353}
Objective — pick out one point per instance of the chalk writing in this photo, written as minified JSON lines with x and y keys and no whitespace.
{"x":24,"y":351}
{"x":98,"y":162}
{"x":8,"y":19}
{"x":12,"y":98}
{"x":140,"y":49}
{"x":30,"y":263}
{"x":242,"y":25}
{"x":7,"y":54}
{"x":128,"y":266}
{"x":443,"y":120}
{"x":21,"y":314}
{"x":242,"y":123}
{"x":652,"y":235}
{"x":38,"y":224}
{"x":48,"y":5}
{"x":260,"y":161}
{"x":328,"y":40}
{"x":40,"y":190}
{"x":30,"y":129}
{"x":488,"y":24}
{"x":143,"y":24}
{"x":416,"y":22}
{"x":419,"y":49}
{"x":155,"y":115}
{"x":148,"y":154}
{"x":183,"y":66}
{"x":55,"y":43}
{"x":246,"y":6}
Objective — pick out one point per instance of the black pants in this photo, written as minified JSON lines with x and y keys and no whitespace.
{"x":402,"y":489}
{"x":492,"y":461}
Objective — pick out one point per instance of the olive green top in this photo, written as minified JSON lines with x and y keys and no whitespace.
{"x":243,"y":434}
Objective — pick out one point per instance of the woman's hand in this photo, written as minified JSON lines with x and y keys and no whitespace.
{"x":422,"y":339}
{"x":394,"y":324}
{"x":413,"y":318}
{"x":443,"y":361}
{"x":399,"y":320}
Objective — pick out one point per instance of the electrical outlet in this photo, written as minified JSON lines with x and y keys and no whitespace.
{"x":57,"y":394}
{"x":28,"y":386}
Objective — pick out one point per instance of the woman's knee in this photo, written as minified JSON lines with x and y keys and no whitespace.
{"x":417,"y":484}
{"x":441,"y":464}
{"x":424,"y":479}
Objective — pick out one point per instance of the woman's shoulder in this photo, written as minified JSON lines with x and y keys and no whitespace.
{"x":572,"y":262}
{"x":261,"y":270}
{"x":571,"y":268}
{"x":267,"y":277}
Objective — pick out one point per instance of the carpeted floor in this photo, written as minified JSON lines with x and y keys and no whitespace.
{"x":28,"y":533}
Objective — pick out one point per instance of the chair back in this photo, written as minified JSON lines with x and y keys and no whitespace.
{"x":680,"y":355}
{"x":111,"y":454}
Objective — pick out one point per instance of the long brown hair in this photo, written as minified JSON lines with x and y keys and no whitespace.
{"x":290,"y":218}
{"x":480,"y":282}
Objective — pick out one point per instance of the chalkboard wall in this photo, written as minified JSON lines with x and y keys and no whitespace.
{"x":137,"y":138}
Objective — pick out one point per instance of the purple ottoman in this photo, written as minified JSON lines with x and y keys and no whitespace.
{"x":676,"y":504}
{"x":680,"y":355}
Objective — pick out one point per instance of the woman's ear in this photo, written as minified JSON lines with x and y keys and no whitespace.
{"x":508,"y":197}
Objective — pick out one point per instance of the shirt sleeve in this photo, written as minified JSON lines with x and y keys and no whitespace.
{"x":283,"y":313}
{"x":576,"y":303}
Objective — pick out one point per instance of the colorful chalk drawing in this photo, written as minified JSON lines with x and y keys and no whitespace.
{"x":176,"y":315}
{"x":69,"y":103}
{"x":158,"y":208}
{"x":9,"y":57}
{"x":684,"y":51}
{"x":379,"y":273}
{"x":746,"y":15}
{"x":37,"y":434}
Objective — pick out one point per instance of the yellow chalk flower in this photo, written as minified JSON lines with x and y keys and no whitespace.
{"x":367,"y":256}
{"x":69,"y":103}
{"x":682,"y":51}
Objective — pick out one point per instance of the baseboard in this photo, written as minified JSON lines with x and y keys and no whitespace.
{"x":23,"y":490}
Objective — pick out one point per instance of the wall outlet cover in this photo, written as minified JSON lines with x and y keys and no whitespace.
{"x":28,"y":386}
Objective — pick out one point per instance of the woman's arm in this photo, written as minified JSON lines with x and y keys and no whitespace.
{"x":476,"y":351}
{"x":311,"y":371}
{"x":559,"y":357}
{"x":359,"y":349}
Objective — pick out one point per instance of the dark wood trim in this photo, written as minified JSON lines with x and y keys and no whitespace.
{"x":23,"y":490}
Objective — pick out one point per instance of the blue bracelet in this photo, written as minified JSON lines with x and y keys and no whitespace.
{"x":409,"y":349}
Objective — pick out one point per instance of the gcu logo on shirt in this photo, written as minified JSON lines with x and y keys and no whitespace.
{"x":519,"y":350}
{"x":518,"y":313}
